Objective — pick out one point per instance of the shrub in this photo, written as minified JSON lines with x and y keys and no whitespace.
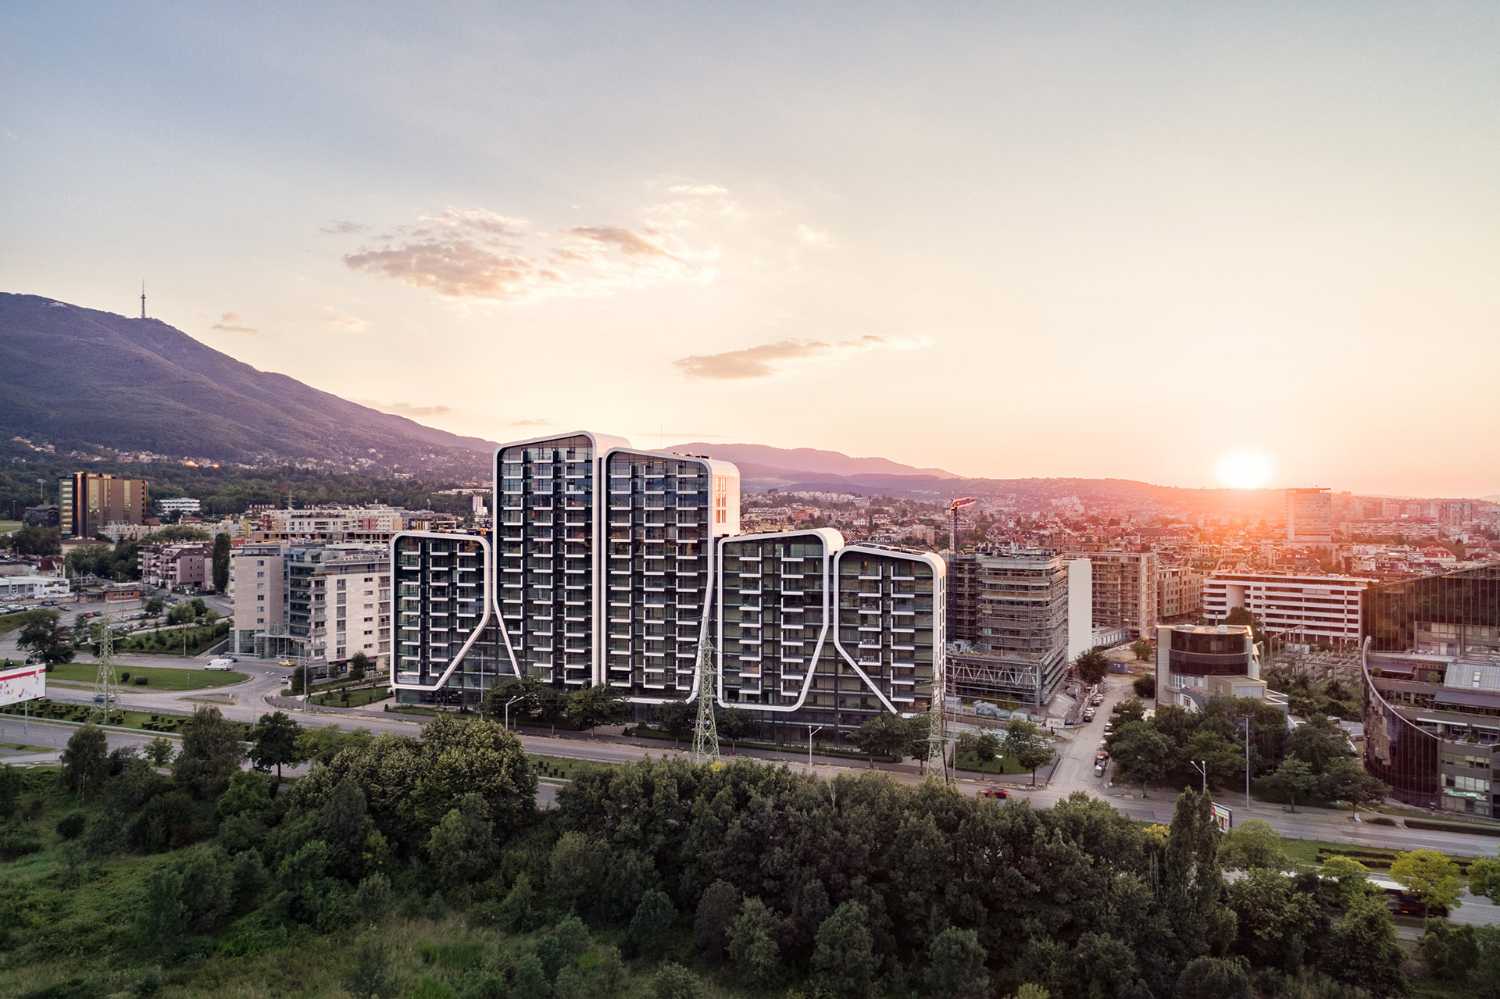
{"x":673,"y":981}
{"x":16,"y":841}
{"x":71,"y":826}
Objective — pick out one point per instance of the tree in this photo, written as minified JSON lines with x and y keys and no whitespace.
{"x":1346,"y":780}
{"x":673,"y":981}
{"x":359,"y":665}
{"x":651,"y":926}
{"x":47,"y":640}
{"x":600,"y":704}
{"x":1253,"y":844}
{"x":1319,"y":742}
{"x":1025,"y":743}
{"x":1449,"y":951}
{"x":843,"y":961}
{"x":210,"y":753}
{"x":85,"y":761}
{"x":956,"y":965}
{"x":1213,"y":978}
{"x":1092,"y":666}
{"x":1239,"y":615}
{"x":1366,"y":932}
{"x":1142,"y":649}
{"x":181,"y":614}
{"x":1144,"y":686}
{"x":36,"y":540}
{"x":461,"y":847}
{"x":717,"y":909}
{"x":221,"y":562}
{"x":517,"y":912}
{"x":575,"y":869}
{"x":1292,"y":780}
{"x":883,"y":735}
{"x":733,"y":724}
{"x":752,"y":944}
{"x":677,"y":719}
{"x":1129,"y":710}
{"x":159,"y":751}
{"x":562,"y":944}
{"x":918,"y":742}
{"x":154,"y":607}
{"x":982,"y":747}
{"x":275,"y":742}
{"x":1484,"y":878}
{"x":1430,"y":876}
{"x":1142,"y":753}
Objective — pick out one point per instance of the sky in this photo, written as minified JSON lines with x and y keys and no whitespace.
{"x":1145,"y":241}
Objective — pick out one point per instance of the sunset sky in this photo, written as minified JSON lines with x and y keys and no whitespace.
{"x":1006,"y":240}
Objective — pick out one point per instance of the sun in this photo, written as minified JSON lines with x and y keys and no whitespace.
{"x":1244,"y":469}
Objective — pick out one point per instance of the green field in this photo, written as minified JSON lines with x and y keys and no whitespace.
{"x":8,"y":526}
{"x":10,"y":622}
{"x":157,"y":677}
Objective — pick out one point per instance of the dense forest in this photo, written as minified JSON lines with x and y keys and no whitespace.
{"x":421,"y":867}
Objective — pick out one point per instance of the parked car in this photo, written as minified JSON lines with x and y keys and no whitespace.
{"x":1099,"y":768}
{"x":1088,"y":714}
{"x":1096,"y":700}
{"x":994,"y":792}
{"x":1101,"y":757}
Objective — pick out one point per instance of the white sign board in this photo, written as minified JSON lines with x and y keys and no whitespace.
{"x":23,"y":683}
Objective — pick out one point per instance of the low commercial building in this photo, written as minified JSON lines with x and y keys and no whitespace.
{"x":327,"y":525}
{"x":1313,"y":608}
{"x":32,"y":587}
{"x":1431,"y":668}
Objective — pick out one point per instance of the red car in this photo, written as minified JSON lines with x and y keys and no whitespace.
{"x":994,"y":792}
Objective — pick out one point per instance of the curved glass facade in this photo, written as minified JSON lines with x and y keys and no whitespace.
{"x":1456,"y":614}
{"x":1397,"y":750}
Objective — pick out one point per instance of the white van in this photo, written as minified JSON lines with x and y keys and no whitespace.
{"x":219,"y":663}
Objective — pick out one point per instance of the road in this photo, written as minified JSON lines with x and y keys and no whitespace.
{"x":1074,"y":771}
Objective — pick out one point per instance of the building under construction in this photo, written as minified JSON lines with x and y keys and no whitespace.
{"x":1008,"y":621}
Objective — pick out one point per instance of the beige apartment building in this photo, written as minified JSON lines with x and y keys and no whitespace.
{"x":1124,"y":591}
{"x":1179,"y":591}
{"x":318,"y":603}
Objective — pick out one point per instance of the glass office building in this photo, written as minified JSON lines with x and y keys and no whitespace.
{"x":1431,"y":669}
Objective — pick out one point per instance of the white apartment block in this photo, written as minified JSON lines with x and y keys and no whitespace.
{"x":327,"y":525}
{"x":179,"y":504}
{"x":613,"y":565}
{"x":1297,"y":608}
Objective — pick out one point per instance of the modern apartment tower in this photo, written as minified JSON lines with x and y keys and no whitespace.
{"x":1008,"y":615}
{"x":1309,"y":517}
{"x":87,"y":501}
{"x":614,"y":565}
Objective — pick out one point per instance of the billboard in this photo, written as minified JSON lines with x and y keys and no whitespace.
{"x":1223,"y":817}
{"x":22,"y":683}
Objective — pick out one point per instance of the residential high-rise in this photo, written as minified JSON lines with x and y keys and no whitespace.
{"x":1008,"y":609}
{"x":1309,"y":516}
{"x":87,"y":501}
{"x":1179,"y":591}
{"x":613,"y":565}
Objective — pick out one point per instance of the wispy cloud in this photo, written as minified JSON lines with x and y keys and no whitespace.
{"x":811,"y":236}
{"x":531,"y":422}
{"x":474,"y":253}
{"x":343,"y":227}
{"x":230,"y":322}
{"x":767,"y":359}
{"x":407,"y":409}
{"x":343,"y":322}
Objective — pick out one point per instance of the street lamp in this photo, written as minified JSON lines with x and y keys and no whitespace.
{"x":1202,"y":767}
{"x":507,"y":709}
{"x":810,"y":733}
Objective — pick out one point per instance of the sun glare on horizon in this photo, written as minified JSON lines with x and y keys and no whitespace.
{"x":1244,"y":469}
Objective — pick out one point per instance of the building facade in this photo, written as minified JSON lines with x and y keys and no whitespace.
{"x":1124,"y":591}
{"x":617,"y":566}
{"x":1309,"y":517}
{"x":1179,"y":591}
{"x":1008,"y":615}
{"x":179,"y":504}
{"x":326,"y":525}
{"x":318,"y":604}
{"x":184,"y":565}
{"x":88,"y":500}
{"x":1317,"y":609}
{"x":1197,"y":662}
{"x":1431,"y":668}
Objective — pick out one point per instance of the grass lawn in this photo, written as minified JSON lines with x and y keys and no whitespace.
{"x":562,"y":768}
{"x":9,"y":526}
{"x":157,"y":677}
{"x":10,"y":622}
{"x":358,"y":697}
{"x":999,"y":765}
{"x":22,"y":747}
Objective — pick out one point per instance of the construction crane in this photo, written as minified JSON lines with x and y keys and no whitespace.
{"x":953,"y":509}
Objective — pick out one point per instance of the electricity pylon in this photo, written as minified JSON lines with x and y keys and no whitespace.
{"x":706,"y":730}
{"x":104,"y":679}
{"x":937,"y":729}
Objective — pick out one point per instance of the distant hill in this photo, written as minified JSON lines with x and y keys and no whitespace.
{"x":805,"y":461}
{"x":77,"y":377}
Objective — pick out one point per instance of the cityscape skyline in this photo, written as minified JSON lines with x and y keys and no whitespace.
{"x":1252,"y":218}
